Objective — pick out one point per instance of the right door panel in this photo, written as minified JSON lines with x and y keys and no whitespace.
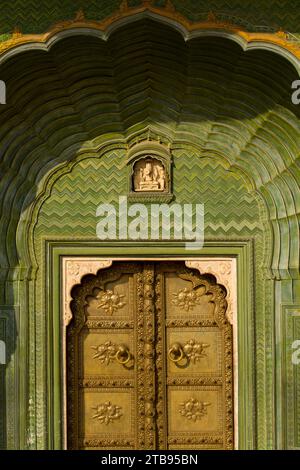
{"x":194,"y":361}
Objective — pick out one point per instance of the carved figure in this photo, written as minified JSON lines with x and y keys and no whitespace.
{"x":149,"y":175}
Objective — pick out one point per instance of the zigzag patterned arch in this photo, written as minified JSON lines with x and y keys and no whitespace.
{"x":207,"y":92}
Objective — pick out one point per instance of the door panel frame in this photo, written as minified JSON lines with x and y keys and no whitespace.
{"x":58,"y":252}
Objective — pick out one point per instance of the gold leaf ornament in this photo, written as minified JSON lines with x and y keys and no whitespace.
{"x":193,"y":409}
{"x":107,"y":413}
{"x":186,"y":298}
{"x":110,"y":301}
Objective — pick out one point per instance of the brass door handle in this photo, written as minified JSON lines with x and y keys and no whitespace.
{"x":192,"y":352}
{"x":176,"y":353}
{"x":123,"y":354}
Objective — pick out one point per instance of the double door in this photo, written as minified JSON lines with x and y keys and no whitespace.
{"x":149,"y":360}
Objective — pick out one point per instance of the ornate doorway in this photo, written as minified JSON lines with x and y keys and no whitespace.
{"x":149,"y":360}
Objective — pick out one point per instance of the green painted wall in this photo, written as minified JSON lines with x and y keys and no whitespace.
{"x":232,"y":212}
{"x":70,"y":209}
{"x":235,"y":137}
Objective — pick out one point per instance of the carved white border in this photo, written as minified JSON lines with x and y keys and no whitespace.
{"x":73,"y":270}
{"x":224,"y":269}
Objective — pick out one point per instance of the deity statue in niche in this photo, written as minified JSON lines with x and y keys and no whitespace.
{"x":149,"y":175}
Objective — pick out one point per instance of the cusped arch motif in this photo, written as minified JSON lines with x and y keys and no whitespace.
{"x":264,"y":148}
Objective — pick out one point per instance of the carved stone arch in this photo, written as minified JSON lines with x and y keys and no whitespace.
{"x":91,"y":281}
{"x":212,"y":288}
{"x":29,"y":217}
{"x":224,"y":270}
{"x":75,"y":271}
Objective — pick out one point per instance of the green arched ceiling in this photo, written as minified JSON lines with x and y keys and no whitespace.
{"x":207,"y":92}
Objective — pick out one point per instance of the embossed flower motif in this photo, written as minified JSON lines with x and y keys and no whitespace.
{"x":74,"y":269}
{"x":193,"y":409}
{"x":110,"y":301}
{"x":107,"y":413}
{"x":186,"y":298}
{"x":194,"y":350}
{"x":106,"y":352}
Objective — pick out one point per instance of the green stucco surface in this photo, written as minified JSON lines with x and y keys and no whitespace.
{"x":71,"y":208}
{"x":235,"y":139}
{"x":232,"y":212}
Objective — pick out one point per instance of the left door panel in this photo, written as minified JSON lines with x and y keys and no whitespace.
{"x":104,"y":369}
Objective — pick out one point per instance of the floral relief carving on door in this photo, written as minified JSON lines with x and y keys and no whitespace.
{"x":149,"y":360}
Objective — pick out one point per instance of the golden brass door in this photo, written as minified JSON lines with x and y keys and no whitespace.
{"x":149,"y":360}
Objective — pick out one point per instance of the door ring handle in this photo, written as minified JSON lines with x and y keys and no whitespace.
{"x":176,"y":353}
{"x":123,"y":351}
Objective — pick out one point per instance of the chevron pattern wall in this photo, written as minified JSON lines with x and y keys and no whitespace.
{"x":70,"y":210}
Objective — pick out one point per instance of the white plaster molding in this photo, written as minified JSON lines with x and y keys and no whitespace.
{"x":73,"y":270}
{"x":224,"y":269}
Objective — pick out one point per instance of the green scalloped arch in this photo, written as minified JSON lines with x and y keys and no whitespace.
{"x":224,"y":102}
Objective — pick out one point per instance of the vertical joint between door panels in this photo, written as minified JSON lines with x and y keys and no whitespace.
{"x":149,"y":356}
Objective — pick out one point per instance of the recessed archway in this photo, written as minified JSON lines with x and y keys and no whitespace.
{"x":212,"y":102}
